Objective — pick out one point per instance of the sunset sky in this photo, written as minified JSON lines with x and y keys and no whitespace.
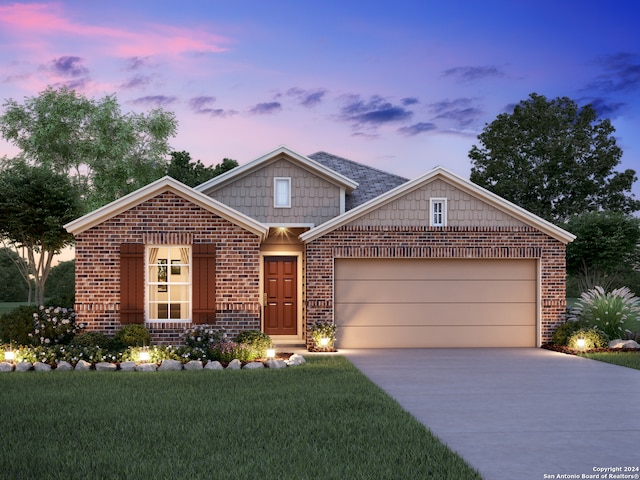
{"x":403,"y":86}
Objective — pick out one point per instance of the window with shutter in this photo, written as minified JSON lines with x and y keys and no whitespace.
{"x":168,"y":283}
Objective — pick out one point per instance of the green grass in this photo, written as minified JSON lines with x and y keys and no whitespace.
{"x":323,"y":420}
{"x":8,"y":306}
{"x":625,"y":359}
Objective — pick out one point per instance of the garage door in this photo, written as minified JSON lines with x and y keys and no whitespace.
{"x":413,"y":303}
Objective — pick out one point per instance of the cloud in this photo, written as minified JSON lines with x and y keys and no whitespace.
{"x":471,"y":74}
{"x":154,"y":100}
{"x":460,"y":111}
{"x":137,"y":81}
{"x":136,"y":63}
{"x":77,"y":84}
{"x":201,"y":105}
{"x":307,"y":98}
{"x":266,"y":108}
{"x":417,"y":128}
{"x":604,"y":108}
{"x":621,"y":73}
{"x":409,"y":101}
{"x":68,"y":66}
{"x":376,"y":111}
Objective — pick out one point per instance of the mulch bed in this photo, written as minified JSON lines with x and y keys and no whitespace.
{"x":571,"y":351}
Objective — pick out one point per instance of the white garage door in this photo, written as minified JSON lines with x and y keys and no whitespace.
{"x":414,"y":303}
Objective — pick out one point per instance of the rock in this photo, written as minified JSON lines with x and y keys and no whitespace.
{"x":170,"y":365}
{"x":41,"y":367}
{"x":296,"y":359}
{"x":213,"y":365}
{"x":253,"y":365}
{"x":83,"y":366}
{"x":64,"y":366}
{"x":623,"y":344}
{"x":276,"y":363}
{"x":234,"y":364}
{"x":23,"y":366}
{"x":193,"y":365}
{"x":128,"y":366}
{"x":106,"y":367}
{"x":6,"y":367}
{"x":146,"y":367}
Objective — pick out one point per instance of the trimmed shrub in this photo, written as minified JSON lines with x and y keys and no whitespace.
{"x":134,"y":335}
{"x":564,"y":331}
{"x":93,"y":339}
{"x":324,"y":335}
{"x":226,"y":351}
{"x":256,"y":341}
{"x":593,"y":338}
{"x":17,"y":325}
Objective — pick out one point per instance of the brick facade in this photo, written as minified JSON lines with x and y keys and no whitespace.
{"x":168,"y":219}
{"x":430,"y":242}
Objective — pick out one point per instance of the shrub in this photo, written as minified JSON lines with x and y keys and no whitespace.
{"x":17,"y":325}
{"x":593,"y":338}
{"x":614,"y":313}
{"x":54,"y":325}
{"x":93,"y":339}
{"x":203,"y":336}
{"x":226,"y":351}
{"x":256,"y":341}
{"x":324,"y":334}
{"x":564,"y":331}
{"x":134,"y":335}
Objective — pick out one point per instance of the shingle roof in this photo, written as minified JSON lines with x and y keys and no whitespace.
{"x":371,"y":182}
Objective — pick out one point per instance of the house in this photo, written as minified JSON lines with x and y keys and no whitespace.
{"x":287,"y":240}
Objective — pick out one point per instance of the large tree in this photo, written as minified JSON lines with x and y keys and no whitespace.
{"x":554,"y":159}
{"x":35,"y":203}
{"x":184,"y":169}
{"x":109,"y":153}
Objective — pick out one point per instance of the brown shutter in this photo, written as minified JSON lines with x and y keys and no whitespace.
{"x":204,"y":283}
{"x":131,"y":283}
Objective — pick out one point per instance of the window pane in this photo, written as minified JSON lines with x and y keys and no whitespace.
{"x":282,"y":192}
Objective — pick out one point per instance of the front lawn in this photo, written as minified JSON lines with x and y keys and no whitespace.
{"x":625,"y":359}
{"x":323,"y":419}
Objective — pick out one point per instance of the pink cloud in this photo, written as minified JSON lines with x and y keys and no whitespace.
{"x":47,"y":20}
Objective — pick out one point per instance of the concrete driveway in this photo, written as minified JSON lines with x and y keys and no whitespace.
{"x":518,"y":413}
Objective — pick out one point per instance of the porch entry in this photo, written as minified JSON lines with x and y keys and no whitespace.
{"x":281,"y":295}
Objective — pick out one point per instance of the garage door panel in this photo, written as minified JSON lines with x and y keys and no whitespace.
{"x":387,"y":314}
{"x":426,"y":291}
{"x":435,"y":337}
{"x":444,"y":269}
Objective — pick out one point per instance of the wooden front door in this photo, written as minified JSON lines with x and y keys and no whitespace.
{"x":281,"y":292}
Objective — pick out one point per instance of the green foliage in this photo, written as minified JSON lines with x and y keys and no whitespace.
{"x":324,"y":334}
{"x":183,"y":169}
{"x":624,"y":359}
{"x":54,"y":325}
{"x":615,"y":313}
{"x":61,"y":284}
{"x":256,"y":341}
{"x":554,"y":159}
{"x":593,"y":338}
{"x":203,"y":336}
{"x":134,"y":335}
{"x":93,"y":339}
{"x":17,"y":326}
{"x":226,"y":351}
{"x":563,"y":332}
{"x":13,"y":286}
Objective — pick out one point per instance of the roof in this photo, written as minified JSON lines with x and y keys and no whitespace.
{"x":303,"y":161}
{"x":165,"y":184}
{"x":457,"y":181}
{"x":371,"y":182}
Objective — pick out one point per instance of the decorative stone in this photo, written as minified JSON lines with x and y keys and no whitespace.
{"x":146,"y":367}
{"x":276,"y":363}
{"x":41,"y":367}
{"x":234,"y":364}
{"x":23,"y":366}
{"x":253,"y":365}
{"x":170,"y":365}
{"x":193,"y":365}
{"x":83,"y":366}
{"x":106,"y":367}
{"x":295,"y":359}
{"x":6,"y":367}
{"x":213,"y":365}
{"x":128,"y":366}
{"x":623,"y":344}
{"x":64,"y":366}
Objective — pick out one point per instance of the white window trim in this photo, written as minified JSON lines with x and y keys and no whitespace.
{"x":432,"y":205}
{"x":150,"y":282}
{"x":276,"y":180}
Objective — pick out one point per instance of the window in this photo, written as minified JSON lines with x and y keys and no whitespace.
{"x":282,"y":192}
{"x":438,"y":216}
{"x":168,"y":283}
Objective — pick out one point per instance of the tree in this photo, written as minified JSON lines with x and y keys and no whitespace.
{"x":107,"y":152}
{"x":12,"y":286}
{"x":554,"y":159}
{"x":35,"y":203}
{"x":61,"y":284}
{"x":182,"y":168}
{"x":605,"y":250}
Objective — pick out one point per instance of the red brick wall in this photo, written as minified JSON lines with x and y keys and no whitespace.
{"x":429,"y":242}
{"x":168,"y":219}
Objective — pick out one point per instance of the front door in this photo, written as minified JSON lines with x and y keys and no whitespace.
{"x":281,"y":294}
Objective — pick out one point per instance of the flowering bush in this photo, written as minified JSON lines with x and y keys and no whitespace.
{"x":324,"y":334}
{"x":54,"y":326}
{"x":203,"y":336}
{"x":615,"y":313}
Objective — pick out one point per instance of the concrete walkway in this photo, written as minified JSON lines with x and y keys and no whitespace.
{"x":517,"y":413}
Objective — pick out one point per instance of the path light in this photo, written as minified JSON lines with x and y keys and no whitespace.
{"x":580,"y":343}
{"x":324,"y":341}
{"x":9,"y":355}
{"x":271,"y":352}
{"x":144,"y":354}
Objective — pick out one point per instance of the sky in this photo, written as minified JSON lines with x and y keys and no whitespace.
{"x":403,"y":86}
